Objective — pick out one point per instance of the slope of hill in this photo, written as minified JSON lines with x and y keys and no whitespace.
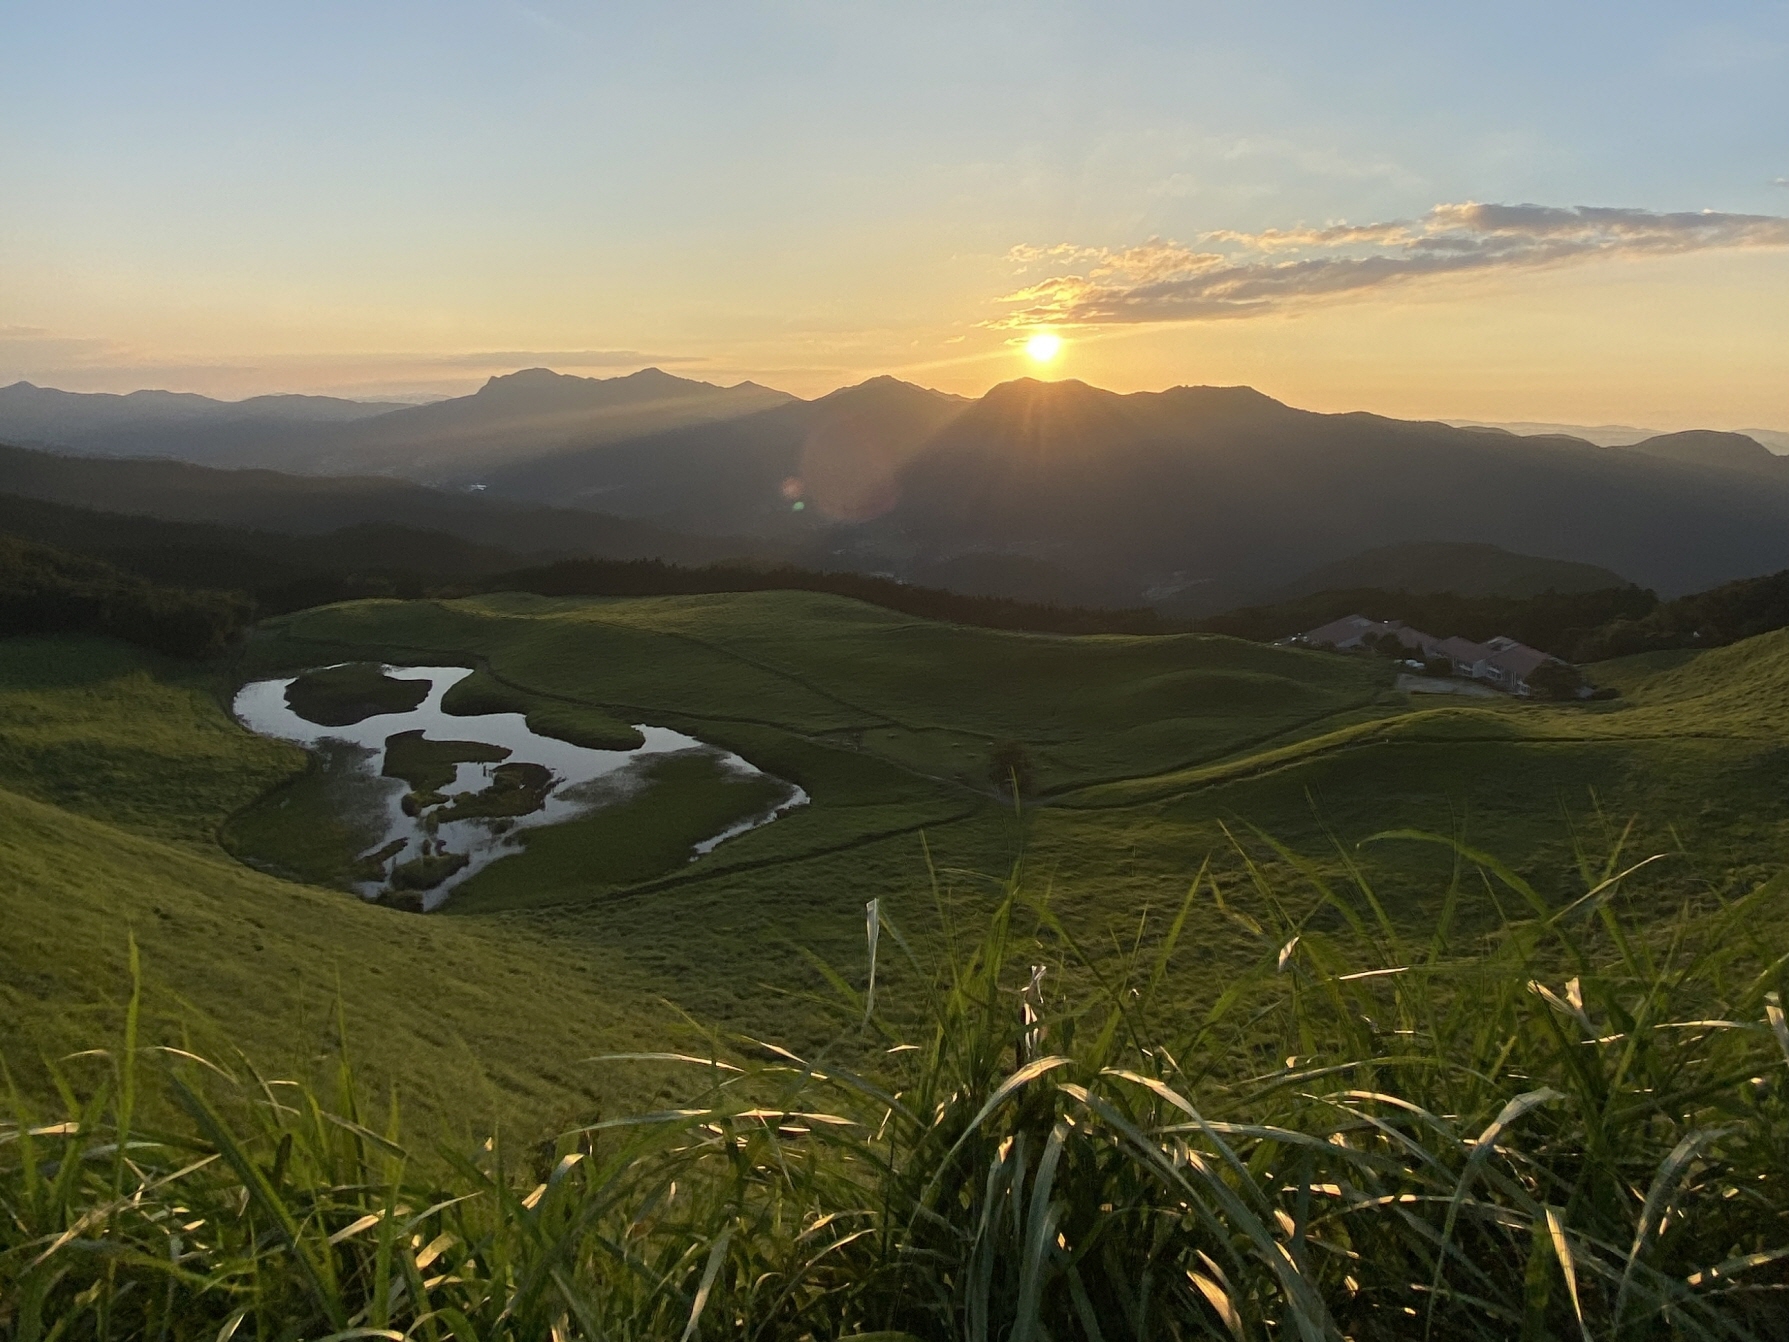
{"x":527,"y":414}
{"x":1451,"y":566}
{"x":280,"y":572}
{"x":494,"y":1018}
{"x":1201,"y":496}
{"x":838,"y":457}
{"x":313,"y":505}
{"x":1226,"y":492}
{"x":1720,"y":451}
{"x":44,"y":414}
{"x":1612,"y":435}
{"x":510,"y":418}
{"x":49,"y":591}
{"x":118,"y":771}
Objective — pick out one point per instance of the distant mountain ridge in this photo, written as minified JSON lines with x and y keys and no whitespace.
{"x":1720,"y":451}
{"x":301,"y":505}
{"x":46,"y":414}
{"x":527,"y":412}
{"x":532,"y":412}
{"x":1196,"y":499}
{"x":1610,"y":435}
{"x":839,"y":457}
{"x":1229,"y":493}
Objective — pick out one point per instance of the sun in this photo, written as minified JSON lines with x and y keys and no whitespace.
{"x":1044,"y":346}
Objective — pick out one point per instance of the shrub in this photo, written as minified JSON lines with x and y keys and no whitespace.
{"x":1555,"y":680}
{"x":1010,"y":769}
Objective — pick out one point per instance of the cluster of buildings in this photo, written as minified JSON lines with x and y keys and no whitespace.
{"x":1500,"y":661}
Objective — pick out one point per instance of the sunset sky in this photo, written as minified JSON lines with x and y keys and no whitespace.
{"x":1568,"y":211}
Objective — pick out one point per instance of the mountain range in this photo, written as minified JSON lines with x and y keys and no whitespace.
{"x":1193,"y":499}
{"x":528,"y":412}
{"x":309,"y":505}
{"x":1612,"y":435}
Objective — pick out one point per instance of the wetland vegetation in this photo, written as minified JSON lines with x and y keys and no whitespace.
{"x":465,"y":804}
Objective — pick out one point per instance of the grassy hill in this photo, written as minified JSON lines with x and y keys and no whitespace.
{"x":121,"y":772}
{"x":123,"y":782}
{"x":117,"y":770}
{"x":124,"y":785}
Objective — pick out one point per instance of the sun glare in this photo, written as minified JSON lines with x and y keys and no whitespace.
{"x":1043,"y":346}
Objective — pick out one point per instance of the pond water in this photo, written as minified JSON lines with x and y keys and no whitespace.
{"x":582,"y":779}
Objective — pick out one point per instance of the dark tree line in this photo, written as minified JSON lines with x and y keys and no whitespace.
{"x":1575,"y":626}
{"x":1555,"y":622}
{"x":1710,"y":619}
{"x":44,"y":591}
{"x":217,"y":592}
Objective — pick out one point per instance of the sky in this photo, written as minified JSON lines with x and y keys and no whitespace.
{"x":1572,"y":212}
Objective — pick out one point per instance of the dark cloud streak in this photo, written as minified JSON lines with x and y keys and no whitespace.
{"x":1251,"y":274}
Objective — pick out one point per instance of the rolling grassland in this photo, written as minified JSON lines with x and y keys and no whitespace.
{"x":117,"y":772}
{"x":128,"y":788}
{"x":1148,"y":753}
{"x":1288,"y":1066}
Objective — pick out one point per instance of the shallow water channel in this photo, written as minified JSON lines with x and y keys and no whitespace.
{"x":582,"y":779}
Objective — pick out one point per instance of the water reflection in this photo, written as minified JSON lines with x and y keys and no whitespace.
{"x":582,"y":779}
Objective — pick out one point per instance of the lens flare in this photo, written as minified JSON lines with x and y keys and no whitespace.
{"x":1044,"y":346}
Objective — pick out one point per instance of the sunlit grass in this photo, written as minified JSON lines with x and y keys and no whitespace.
{"x":1572,"y":1126}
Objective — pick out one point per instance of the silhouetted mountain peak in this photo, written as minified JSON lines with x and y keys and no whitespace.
{"x":889,"y":394}
{"x":529,"y":379}
{"x":1032,"y":390}
{"x":1229,"y":400}
{"x":1176,"y":413}
{"x":1712,"y":447}
{"x":547,"y":389}
{"x":1032,"y":417}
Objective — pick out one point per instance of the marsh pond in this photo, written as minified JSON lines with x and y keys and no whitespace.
{"x":424,"y":777}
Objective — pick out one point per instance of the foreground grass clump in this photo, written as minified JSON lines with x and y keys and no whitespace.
{"x":1574,"y":1127}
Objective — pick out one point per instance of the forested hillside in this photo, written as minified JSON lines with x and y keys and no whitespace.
{"x":45,"y":591}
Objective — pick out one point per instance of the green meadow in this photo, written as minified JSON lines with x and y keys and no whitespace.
{"x":1289,"y":933}
{"x":136,"y":807}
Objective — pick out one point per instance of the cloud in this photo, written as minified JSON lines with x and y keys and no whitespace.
{"x":553,"y":358}
{"x":23,"y":346}
{"x":1234,"y":274}
{"x":88,"y":363}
